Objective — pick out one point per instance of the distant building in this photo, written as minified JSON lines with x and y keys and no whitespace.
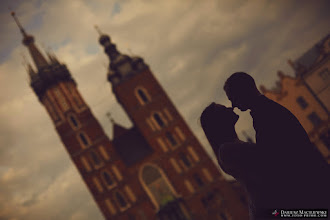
{"x":156,"y":169}
{"x":292,"y":93}
{"x":313,"y":68}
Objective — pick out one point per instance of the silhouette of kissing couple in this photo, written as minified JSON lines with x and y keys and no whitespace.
{"x":283,"y":170}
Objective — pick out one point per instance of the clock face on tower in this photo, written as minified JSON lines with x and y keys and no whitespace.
{"x":125,"y":68}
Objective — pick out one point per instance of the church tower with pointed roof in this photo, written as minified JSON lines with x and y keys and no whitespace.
{"x":166,"y":167}
{"x":89,"y":148}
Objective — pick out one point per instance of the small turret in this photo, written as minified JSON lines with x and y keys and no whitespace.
{"x":121,"y":65}
{"x":109,"y":48}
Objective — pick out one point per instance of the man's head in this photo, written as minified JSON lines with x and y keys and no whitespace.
{"x":241,"y":90}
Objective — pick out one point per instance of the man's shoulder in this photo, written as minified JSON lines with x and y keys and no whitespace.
{"x":264,"y":101}
{"x":233,"y":147}
{"x":268,"y":108}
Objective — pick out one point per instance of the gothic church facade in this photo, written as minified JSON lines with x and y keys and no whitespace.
{"x":156,"y":169}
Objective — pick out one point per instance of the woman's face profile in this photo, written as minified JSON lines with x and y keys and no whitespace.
{"x":225,"y":114}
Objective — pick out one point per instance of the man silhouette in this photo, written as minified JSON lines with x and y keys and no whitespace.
{"x":294,"y":170}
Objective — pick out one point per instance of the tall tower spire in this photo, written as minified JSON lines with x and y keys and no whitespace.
{"x":86,"y":142}
{"x":28,"y":41}
{"x":48,"y":74}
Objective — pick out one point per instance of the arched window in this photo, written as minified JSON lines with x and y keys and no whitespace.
{"x":157,"y":185}
{"x":185,"y":159}
{"x":198,"y":180}
{"x":171,"y":138}
{"x":83,"y":139}
{"x":121,"y":200}
{"x":159,"y":120}
{"x":143,"y":96}
{"x":73,"y":120}
{"x":96,"y":159}
{"x":107,"y":178}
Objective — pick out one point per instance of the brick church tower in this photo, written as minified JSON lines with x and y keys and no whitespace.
{"x":156,"y":169}
{"x":170,"y":173}
{"x":83,"y":137}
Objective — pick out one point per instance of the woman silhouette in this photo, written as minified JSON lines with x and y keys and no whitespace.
{"x":244,"y":161}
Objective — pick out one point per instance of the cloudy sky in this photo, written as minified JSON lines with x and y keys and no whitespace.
{"x":191,"y":46}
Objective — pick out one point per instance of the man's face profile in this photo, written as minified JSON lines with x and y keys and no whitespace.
{"x":237,"y":100}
